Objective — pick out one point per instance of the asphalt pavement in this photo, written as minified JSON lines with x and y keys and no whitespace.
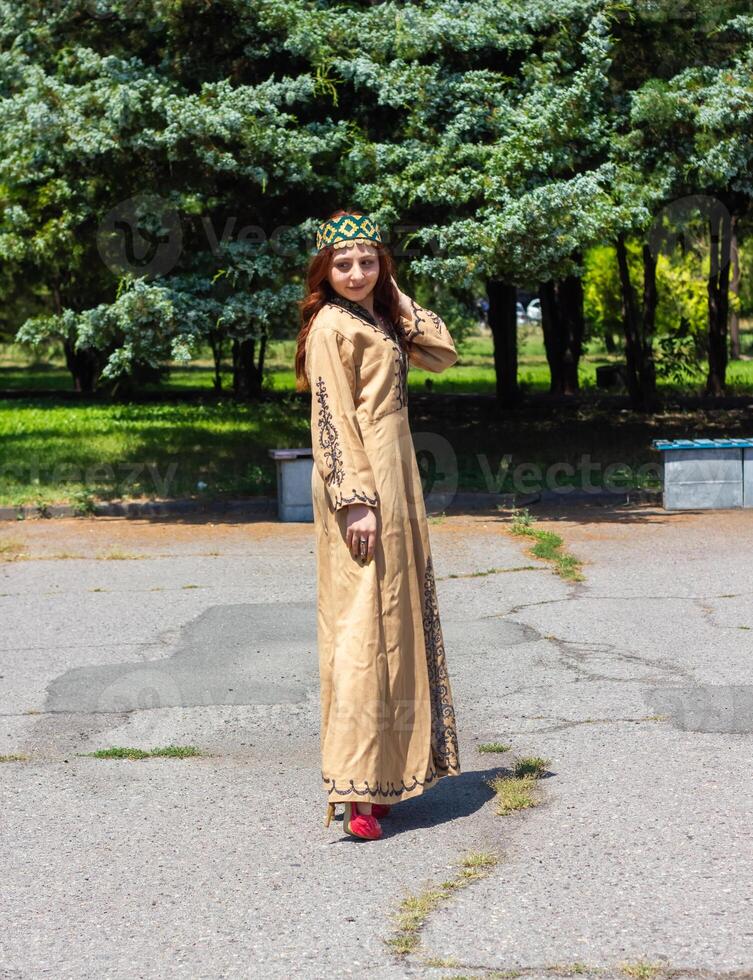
{"x":634,"y":685}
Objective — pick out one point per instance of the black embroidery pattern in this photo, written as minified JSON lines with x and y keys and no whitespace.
{"x":401,"y":370}
{"x":359,"y":312}
{"x":401,"y":376}
{"x":444,"y":739}
{"x":357,"y":495}
{"x":353,"y":309}
{"x":328,"y":438}
{"x":423,"y":316}
{"x":380,"y":789}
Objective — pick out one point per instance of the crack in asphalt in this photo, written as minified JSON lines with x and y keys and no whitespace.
{"x":569,"y":723}
{"x":664,"y":971}
{"x":580,"y":654}
{"x":625,"y":598}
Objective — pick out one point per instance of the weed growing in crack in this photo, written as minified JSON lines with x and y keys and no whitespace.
{"x":120,"y":752}
{"x":519,"y":790}
{"x":547,"y":546}
{"x":414,"y":909}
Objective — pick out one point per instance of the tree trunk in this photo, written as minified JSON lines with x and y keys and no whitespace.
{"x":247,"y":377}
{"x":562,"y":324}
{"x":552,"y":335}
{"x":721,"y":229}
{"x":640,"y":326}
{"x":570,"y":307}
{"x":647,"y":369}
{"x":262,"y":355}
{"x":503,"y":322}
{"x":633,"y":351}
{"x":734,"y":286}
{"x":216,"y":343}
{"x":83,"y":365}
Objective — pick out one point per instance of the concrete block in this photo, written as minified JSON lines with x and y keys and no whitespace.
{"x":748,"y":477}
{"x":703,"y":479}
{"x":294,"y":472}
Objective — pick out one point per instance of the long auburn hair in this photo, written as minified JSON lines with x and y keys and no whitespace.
{"x":319,"y":292}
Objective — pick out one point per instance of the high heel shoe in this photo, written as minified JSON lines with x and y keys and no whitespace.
{"x":363,"y":825}
{"x":359,"y":824}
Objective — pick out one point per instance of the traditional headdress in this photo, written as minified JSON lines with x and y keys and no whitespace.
{"x":348,"y":229}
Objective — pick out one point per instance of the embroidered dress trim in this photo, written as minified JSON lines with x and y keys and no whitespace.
{"x":380,"y":789}
{"x":401,"y":358}
{"x":333,"y":457}
{"x":444,"y":739}
{"x":418,"y":319}
{"x":357,"y":495}
{"x":328,"y":437}
{"x":355,"y":309}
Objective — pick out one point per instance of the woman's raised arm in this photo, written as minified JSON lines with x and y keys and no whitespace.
{"x":430,"y":345}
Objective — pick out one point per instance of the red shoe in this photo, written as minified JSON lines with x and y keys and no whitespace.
{"x":363,"y":825}
{"x":380,"y":809}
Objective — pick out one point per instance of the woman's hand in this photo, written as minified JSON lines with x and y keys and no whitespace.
{"x":405,"y":307}
{"x":361,"y":523}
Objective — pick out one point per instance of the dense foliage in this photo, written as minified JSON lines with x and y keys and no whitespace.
{"x":162,"y":165}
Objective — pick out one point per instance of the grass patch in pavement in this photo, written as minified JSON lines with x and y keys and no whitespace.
{"x":530,"y":765}
{"x":514,"y":794}
{"x":547,"y":546}
{"x":120,"y":752}
{"x":117,"y":556}
{"x":639,"y":970}
{"x":519,"y":790}
{"x":494,"y":747}
{"x":642,"y":970}
{"x":487,"y":975}
{"x":414,"y":910}
{"x":11,"y":550}
{"x":574,"y":970}
{"x":14,"y":758}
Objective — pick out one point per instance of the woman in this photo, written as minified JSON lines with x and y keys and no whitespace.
{"x":387,"y":717}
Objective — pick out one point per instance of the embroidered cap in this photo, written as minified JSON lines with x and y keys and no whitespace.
{"x":348,"y":229}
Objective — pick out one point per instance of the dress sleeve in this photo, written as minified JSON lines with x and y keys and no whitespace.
{"x":431,"y":346}
{"x":338,"y":448}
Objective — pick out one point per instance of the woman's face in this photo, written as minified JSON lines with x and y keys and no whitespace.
{"x":354,"y":271}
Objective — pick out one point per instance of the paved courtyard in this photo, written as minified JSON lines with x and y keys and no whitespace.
{"x":634,"y":684}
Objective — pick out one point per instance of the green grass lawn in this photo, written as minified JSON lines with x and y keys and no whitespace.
{"x":473,"y":373}
{"x":55,"y":450}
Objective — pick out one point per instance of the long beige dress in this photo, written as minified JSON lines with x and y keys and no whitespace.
{"x":387,"y":716}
